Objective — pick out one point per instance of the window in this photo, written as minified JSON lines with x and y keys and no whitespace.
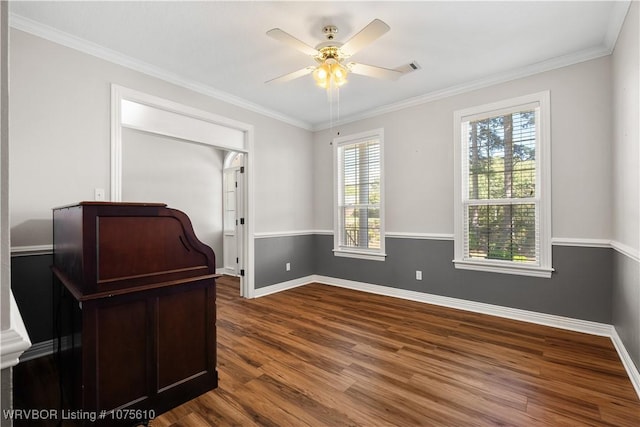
{"x":359,"y":196}
{"x":502,"y":187}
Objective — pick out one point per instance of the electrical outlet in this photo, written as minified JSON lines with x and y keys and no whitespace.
{"x":287,"y":266}
{"x":98,"y":194}
{"x":418,"y":275}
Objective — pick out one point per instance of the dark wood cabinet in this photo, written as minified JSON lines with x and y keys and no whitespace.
{"x":136,"y":309}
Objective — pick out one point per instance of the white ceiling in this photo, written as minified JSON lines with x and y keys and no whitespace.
{"x":220,"y":48}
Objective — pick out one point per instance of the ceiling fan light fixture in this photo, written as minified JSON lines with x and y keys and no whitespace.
{"x":322,"y":75}
{"x":339,"y":74}
{"x":330,"y":73}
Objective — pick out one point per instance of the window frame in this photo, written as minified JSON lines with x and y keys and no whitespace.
{"x":543,"y":266}
{"x":338,"y":248}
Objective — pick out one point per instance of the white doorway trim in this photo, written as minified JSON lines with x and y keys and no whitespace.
{"x":141,"y":111}
{"x":233,"y":201}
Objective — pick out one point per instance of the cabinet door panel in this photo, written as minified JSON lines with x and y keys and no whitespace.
{"x":122,"y":347}
{"x":183,"y":328}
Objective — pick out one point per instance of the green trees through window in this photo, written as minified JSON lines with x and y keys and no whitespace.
{"x":500,"y":209}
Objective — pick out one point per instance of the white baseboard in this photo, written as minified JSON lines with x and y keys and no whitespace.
{"x":39,"y":349}
{"x":283,"y":286}
{"x":45,"y":348}
{"x":627,"y":362}
{"x":561,"y":322}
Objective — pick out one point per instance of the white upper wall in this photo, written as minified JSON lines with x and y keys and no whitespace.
{"x":185,"y":175}
{"x":5,"y":256}
{"x":60,"y":106}
{"x":419,"y":155}
{"x":60,"y":139}
{"x":626,"y":133}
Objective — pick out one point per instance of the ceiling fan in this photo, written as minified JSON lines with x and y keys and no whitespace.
{"x":331,"y":55}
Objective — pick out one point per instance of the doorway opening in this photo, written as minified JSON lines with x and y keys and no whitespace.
{"x":135,"y":110}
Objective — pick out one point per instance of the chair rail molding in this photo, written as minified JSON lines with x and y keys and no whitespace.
{"x":13,"y":341}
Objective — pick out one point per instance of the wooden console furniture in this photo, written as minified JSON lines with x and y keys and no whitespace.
{"x":136,"y":309}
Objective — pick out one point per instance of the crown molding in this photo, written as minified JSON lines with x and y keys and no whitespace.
{"x":65,"y":39}
{"x":616,"y":21}
{"x":537,"y":68}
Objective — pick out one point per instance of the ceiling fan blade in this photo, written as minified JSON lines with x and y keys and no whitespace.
{"x":287,"y":38}
{"x":367,"y":35}
{"x":292,"y":76}
{"x":373,"y":71}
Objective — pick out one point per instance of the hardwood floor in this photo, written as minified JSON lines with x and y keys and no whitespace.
{"x":325,"y":356}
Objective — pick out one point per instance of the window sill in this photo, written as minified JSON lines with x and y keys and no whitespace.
{"x":504,"y":268}
{"x":372,"y":256}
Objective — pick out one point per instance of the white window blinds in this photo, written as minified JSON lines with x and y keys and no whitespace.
{"x":503,"y":191}
{"x":359,"y":218}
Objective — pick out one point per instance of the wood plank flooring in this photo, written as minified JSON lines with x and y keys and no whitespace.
{"x":325,"y":356}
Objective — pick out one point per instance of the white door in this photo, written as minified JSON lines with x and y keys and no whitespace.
{"x":230,"y":244}
{"x":233,"y":216}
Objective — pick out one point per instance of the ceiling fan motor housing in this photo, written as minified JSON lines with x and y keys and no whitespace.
{"x":329,"y":52}
{"x":329,"y":48}
{"x":330,"y":31}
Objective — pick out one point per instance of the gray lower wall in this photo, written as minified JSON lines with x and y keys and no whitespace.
{"x":31,"y":279}
{"x":6,"y":395}
{"x":581,"y":286}
{"x":626,"y":303}
{"x":272,"y":254}
{"x":31,"y":283}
